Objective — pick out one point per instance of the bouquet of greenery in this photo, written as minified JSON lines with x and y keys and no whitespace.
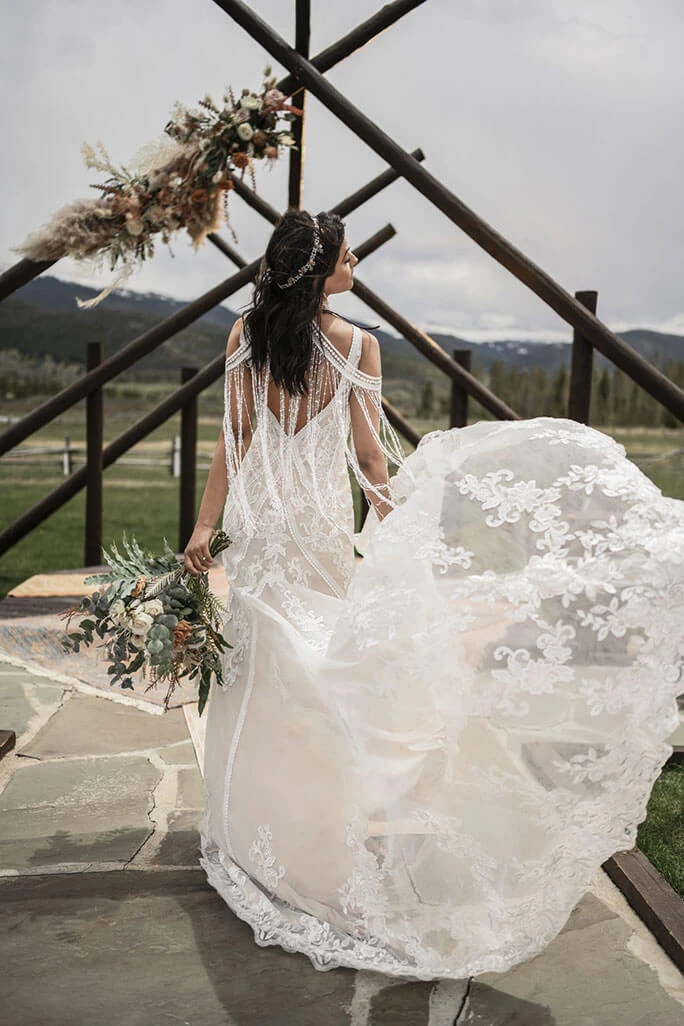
{"x":153,"y":615}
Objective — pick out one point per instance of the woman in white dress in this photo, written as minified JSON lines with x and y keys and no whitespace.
{"x":417,"y":766}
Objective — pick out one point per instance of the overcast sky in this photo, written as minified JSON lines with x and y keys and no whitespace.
{"x":558,"y":121}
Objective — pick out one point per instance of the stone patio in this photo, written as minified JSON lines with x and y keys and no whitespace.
{"x":109,"y":919}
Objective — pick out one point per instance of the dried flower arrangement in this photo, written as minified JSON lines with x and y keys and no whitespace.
{"x":182,"y":181}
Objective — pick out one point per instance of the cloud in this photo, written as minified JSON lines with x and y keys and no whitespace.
{"x":557,"y":125}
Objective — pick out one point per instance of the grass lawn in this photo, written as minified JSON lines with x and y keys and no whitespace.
{"x":661,"y":835}
{"x":139,"y":500}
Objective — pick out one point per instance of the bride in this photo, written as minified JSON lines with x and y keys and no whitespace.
{"x":417,"y":766}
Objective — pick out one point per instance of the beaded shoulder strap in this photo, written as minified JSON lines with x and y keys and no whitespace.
{"x":348,"y":365}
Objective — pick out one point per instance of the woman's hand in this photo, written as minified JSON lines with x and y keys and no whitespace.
{"x":197,"y":556}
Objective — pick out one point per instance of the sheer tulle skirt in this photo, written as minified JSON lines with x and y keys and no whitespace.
{"x":422,"y":776}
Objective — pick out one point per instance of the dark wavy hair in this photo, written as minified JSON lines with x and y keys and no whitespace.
{"x":278,"y":324}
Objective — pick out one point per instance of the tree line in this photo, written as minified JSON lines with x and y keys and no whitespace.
{"x":616,"y":400}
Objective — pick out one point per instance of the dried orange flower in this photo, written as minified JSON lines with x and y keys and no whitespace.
{"x":139,"y":587}
{"x":180,"y":633}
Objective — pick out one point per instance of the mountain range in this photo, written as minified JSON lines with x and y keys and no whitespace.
{"x":42,"y":319}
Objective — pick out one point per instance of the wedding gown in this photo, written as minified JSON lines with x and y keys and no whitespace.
{"x":417,"y":767}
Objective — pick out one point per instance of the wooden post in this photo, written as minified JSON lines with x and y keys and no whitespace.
{"x":302,"y":38}
{"x":175,"y":462}
{"x":67,"y":462}
{"x":188,"y":477}
{"x":458,"y":413}
{"x":579,"y":396}
{"x":94,"y":465}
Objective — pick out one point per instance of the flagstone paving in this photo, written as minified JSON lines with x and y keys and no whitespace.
{"x":109,"y":919}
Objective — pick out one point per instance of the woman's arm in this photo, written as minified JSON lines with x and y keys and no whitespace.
{"x":197,"y":557}
{"x":369,"y":454}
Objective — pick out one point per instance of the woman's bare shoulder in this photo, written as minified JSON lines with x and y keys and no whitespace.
{"x":340,"y":333}
{"x":235,"y":337}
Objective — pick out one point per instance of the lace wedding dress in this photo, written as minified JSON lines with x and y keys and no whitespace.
{"x":417,"y":767}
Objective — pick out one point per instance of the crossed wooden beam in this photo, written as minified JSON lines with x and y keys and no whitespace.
{"x":306,"y":73}
{"x":24,"y":270}
{"x":309,"y":74}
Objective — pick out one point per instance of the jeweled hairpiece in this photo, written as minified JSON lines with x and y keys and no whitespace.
{"x":316,"y":248}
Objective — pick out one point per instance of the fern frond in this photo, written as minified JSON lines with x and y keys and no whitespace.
{"x":161,"y":582}
{"x":168,"y":551}
{"x":142,"y":556}
{"x":215,"y":607}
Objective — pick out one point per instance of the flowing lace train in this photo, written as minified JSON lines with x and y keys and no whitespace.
{"x":417,"y":767}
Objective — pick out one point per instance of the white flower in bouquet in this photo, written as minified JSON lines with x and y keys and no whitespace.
{"x":140,"y":623}
{"x":117,"y":612}
{"x":245,"y":131}
{"x":250,"y":102}
{"x":153,"y":607}
{"x":274,"y":98}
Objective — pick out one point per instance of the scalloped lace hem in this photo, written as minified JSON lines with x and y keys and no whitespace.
{"x":275,"y":922}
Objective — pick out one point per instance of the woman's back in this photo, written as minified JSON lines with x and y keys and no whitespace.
{"x":285,"y":451}
{"x":290,"y":508}
{"x":341,"y":335}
